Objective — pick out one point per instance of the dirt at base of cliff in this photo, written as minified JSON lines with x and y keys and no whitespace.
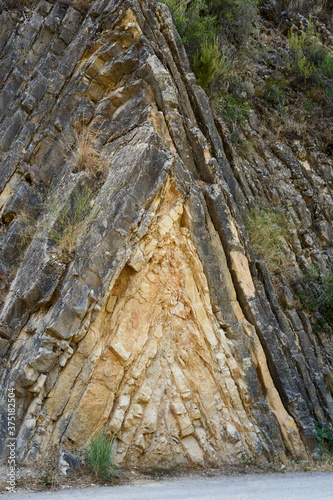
{"x":33,"y":479}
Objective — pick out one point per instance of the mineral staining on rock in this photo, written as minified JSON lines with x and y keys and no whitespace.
{"x":156,"y":367}
{"x":161,"y":328}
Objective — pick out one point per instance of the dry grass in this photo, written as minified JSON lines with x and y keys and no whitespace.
{"x":268,"y":233}
{"x":48,"y":472}
{"x":72,"y":219}
{"x":286,"y":124}
{"x":85,"y":155}
{"x":320,"y":463}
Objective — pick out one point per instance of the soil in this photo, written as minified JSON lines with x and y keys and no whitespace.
{"x":31,"y":479}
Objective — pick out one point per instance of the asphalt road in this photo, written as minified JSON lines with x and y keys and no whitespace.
{"x":289,"y":486}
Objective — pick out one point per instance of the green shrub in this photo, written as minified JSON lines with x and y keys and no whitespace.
{"x":317,"y":297}
{"x":209,"y":64}
{"x":234,"y":18}
{"x":275,"y":91}
{"x":327,"y":66}
{"x":193,"y":22}
{"x":196,"y":20}
{"x":268,"y":232}
{"x":234,"y":111}
{"x":199,"y":21}
{"x":325,"y":438}
{"x":309,"y":59}
{"x":100,"y":456}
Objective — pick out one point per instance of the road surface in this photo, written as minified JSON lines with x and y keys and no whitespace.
{"x":289,"y":486}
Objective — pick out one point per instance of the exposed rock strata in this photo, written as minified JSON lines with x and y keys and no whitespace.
{"x":163,"y":327}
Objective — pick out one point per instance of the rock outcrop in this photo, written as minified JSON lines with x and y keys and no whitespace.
{"x":162,"y":325}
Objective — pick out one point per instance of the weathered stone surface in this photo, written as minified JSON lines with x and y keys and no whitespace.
{"x":161,"y":326}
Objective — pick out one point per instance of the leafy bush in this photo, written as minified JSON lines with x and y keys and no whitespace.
{"x":309,"y":59}
{"x":317,"y":297}
{"x":325,"y":438}
{"x":268,"y":232}
{"x":197,"y":28}
{"x":233,"y":110}
{"x":193,"y":22}
{"x":198,"y":23}
{"x":100,"y":456}
{"x":234,"y":18}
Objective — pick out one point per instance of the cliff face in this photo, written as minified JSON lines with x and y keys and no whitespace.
{"x":158,"y":321}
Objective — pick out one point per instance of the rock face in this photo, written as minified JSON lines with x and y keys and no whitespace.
{"x":162,"y":325}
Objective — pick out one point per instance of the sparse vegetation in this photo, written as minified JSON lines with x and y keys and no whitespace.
{"x":49,"y":469}
{"x":86,"y":156}
{"x":309,"y":59}
{"x":17,"y":4}
{"x":200,"y":23}
{"x":268,"y":233}
{"x":234,"y":111}
{"x":100,"y":456}
{"x":234,"y":18}
{"x":71,"y":219}
{"x":325,"y":438}
{"x":317,"y":298}
{"x":275,"y":91}
{"x":194,"y":24}
{"x":209,"y":64}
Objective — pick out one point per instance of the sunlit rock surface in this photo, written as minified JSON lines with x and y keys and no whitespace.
{"x":161,"y":326}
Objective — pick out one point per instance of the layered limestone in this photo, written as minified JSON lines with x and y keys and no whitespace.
{"x":161,"y":327}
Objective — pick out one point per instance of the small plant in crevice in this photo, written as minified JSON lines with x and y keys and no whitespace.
{"x":85,"y":154}
{"x":48,"y":479}
{"x":100,"y":454}
{"x":317,"y":298}
{"x":325,"y":438}
{"x":70,"y":219}
{"x":49,"y":469}
{"x":245,"y":147}
{"x":268,"y":232}
{"x":246,"y":460}
{"x":235,"y":112}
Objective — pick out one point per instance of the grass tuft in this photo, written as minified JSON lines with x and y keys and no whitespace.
{"x":100,"y":456}
{"x":268,"y":233}
{"x":71,"y":220}
{"x":86,"y":156}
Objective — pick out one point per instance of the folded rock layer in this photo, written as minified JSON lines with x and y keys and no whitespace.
{"x":161,"y":326}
